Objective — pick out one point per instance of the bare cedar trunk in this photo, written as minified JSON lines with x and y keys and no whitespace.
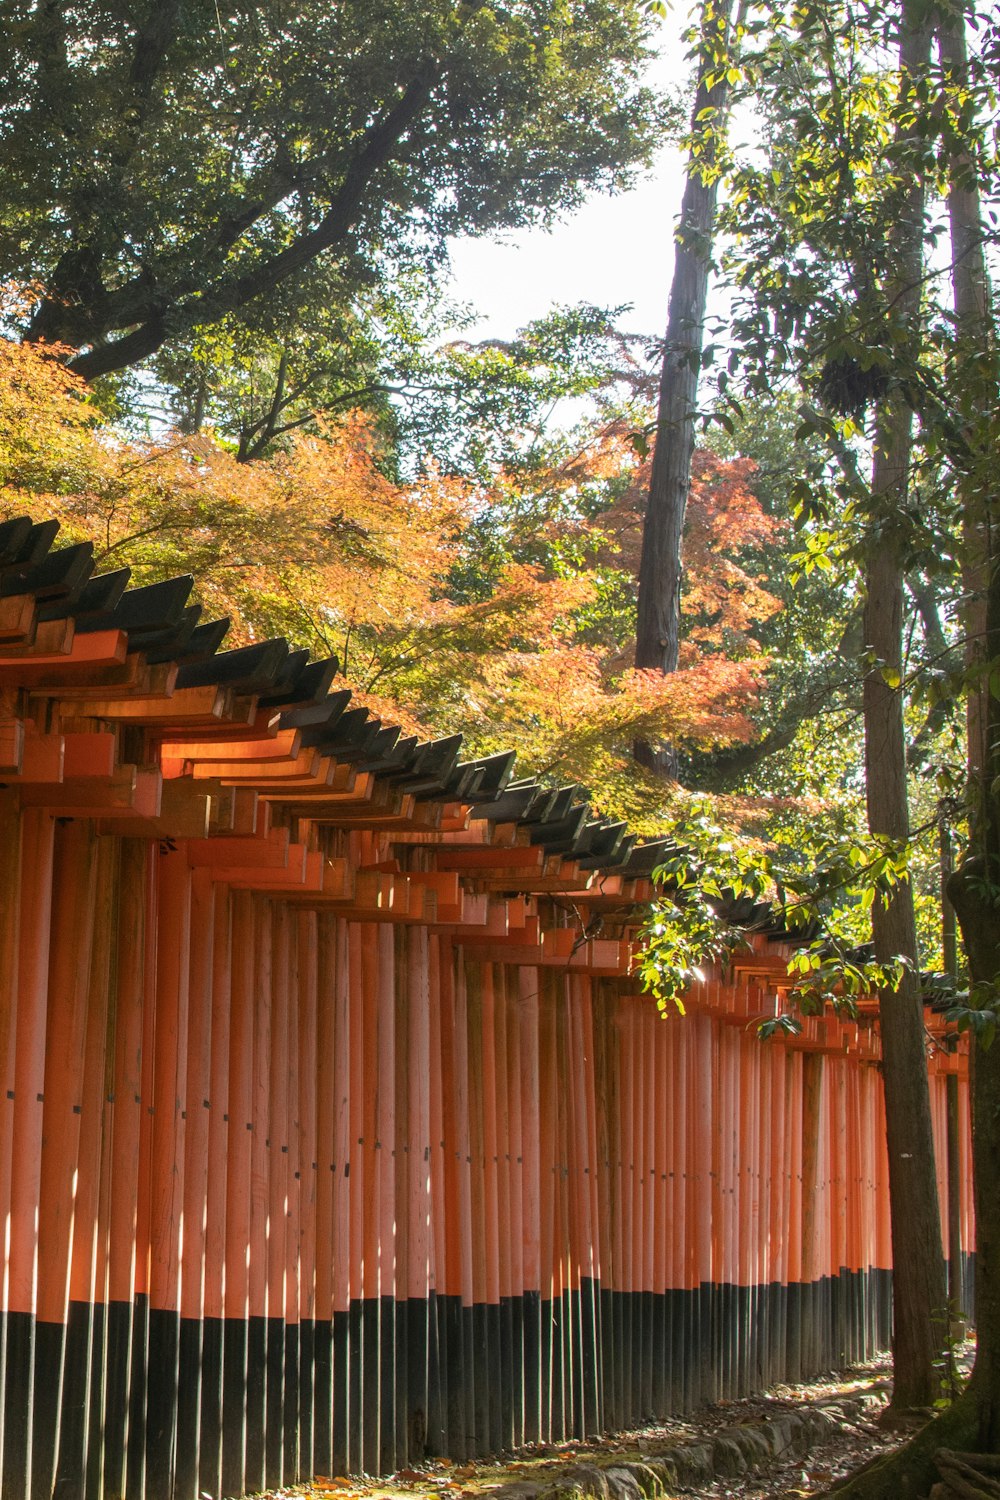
{"x":919,"y":1292}
{"x":657,"y":626}
{"x":973,"y":1421}
{"x":919,"y":1288}
{"x":973,"y":887}
{"x":975,"y":346}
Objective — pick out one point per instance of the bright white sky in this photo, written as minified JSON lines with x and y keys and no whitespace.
{"x":613,"y":250}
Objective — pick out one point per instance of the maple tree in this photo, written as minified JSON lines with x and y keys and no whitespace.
{"x":489,"y":605}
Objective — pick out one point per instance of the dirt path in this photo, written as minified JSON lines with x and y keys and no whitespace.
{"x":790,"y":1443}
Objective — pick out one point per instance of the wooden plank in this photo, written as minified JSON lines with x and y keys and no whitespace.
{"x":282,"y":745}
{"x":11,"y":747}
{"x":267,"y":851}
{"x":51,"y":640}
{"x":86,"y":755}
{"x":161,"y":705}
{"x":17,"y":617}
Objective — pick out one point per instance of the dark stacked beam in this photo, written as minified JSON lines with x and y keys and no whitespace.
{"x":333,"y":1136}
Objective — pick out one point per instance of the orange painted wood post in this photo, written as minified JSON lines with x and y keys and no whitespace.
{"x":509,"y":1373}
{"x":862,"y":1209}
{"x":618,"y":1181}
{"x":362,"y":1367}
{"x":858,"y":1197}
{"x":195,"y":1193}
{"x":704,"y":1114}
{"x":883,"y":1228}
{"x":275,"y":1157}
{"x":566,"y":1344}
{"x":662,"y":1229}
{"x":384,"y":1164}
{"x":119,"y":1146}
{"x":29,"y":1086}
{"x":463,"y":1085}
{"x":796,"y":1216}
{"x":764,"y":1311}
{"x":627,"y":1207}
{"x":238,"y":1171}
{"x":10,"y":938}
{"x":828,"y":1201}
{"x":575,"y":1222}
{"x":216,"y":1152}
{"x":682,"y":1246}
{"x":531,"y":1193}
{"x":673,"y":1210}
{"x":725,"y":1214}
{"x":515,"y":1200}
{"x":331,"y":1071}
{"x":480,"y":1366}
{"x":74,"y":892}
{"x":306,"y":1172}
{"x":416,"y":1313}
{"x":82,"y":1427}
{"x":594,"y":1171}
{"x":451,"y":1287}
{"x":167,"y":1169}
{"x":968,"y":1220}
{"x":642,"y":1306}
{"x":756,"y":1228}
{"x":138,"y":1403}
{"x":813,"y":1141}
{"x":838,"y":1205}
{"x":348,"y":1182}
{"x":410,"y":1279}
{"x":396,"y":1323}
{"x":779,"y":1224}
{"x":547,"y":1169}
{"x":438,"y":951}
{"x":294,"y":1419}
{"x":258,"y":1124}
{"x":588,"y":1248}
{"x":493,"y":1225}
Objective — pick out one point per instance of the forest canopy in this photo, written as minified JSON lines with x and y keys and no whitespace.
{"x":165,"y":165}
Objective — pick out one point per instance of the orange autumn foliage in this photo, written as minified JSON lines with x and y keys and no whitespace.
{"x":319,"y":545}
{"x":723,"y":598}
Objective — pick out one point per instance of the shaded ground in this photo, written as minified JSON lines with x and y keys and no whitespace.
{"x":792,"y":1442}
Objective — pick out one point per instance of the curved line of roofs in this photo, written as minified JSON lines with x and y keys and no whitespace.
{"x":161,"y":623}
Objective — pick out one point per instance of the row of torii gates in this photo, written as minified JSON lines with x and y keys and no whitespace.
{"x":330,"y":1139}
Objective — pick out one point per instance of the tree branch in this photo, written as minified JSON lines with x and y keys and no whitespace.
{"x":168,"y":316}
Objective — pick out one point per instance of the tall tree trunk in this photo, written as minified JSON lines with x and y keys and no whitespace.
{"x":660,"y":565}
{"x":919,"y":1292}
{"x":919,"y":1288}
{"x":973,"y":888}
{"x":975,"y":352}
{"x":973,"y":1421}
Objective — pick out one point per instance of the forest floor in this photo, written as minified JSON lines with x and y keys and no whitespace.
{"x":799,"y":1441}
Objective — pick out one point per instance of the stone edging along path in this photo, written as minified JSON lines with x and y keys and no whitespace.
{"x":729,"y":1453}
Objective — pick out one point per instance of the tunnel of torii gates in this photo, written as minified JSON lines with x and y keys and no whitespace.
{"x":331,"y":1138}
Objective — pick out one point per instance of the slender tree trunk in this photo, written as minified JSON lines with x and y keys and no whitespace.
{"x":975,"y":352}
{"x":660,"y":563}
{"x":919,"y":1292}
{"x":973,"y":1421}
{"x":973,"y":888}
{"x":919,"y":1288}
